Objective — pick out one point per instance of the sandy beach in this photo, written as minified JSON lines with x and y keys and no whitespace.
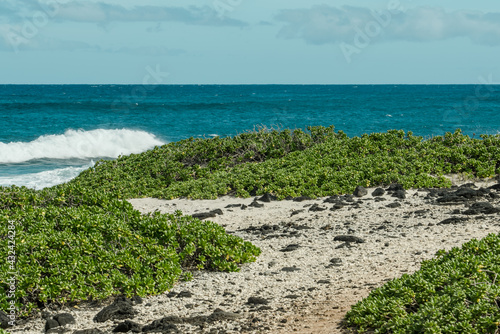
{"x":319,"y":257}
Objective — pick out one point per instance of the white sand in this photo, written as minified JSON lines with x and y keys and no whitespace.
{"x":397,"y":240}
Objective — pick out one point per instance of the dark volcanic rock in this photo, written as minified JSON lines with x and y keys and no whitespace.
{"x":59,"y":330}
{"x":395,"y":187}
{"x":316,"y":208}
{"x":302,"y":198}
{"x":256,"y":204}
{"x":50,"y":323}
{"x":119,"y":310}
{"x":257,"y":301}
{"x":360,"y":191}
{"x":64,"y":319}
{"x":337,"y":262}
{"x":296,"y":212}
{"x":337,"y":206}
{"x":161,"y":326}
{"x":349,"y":238}
{"x":127,"y":326}
{"x":378,"y":192}
{"x":332,"y":199}
{"x":217,"y":211}
{"x":461,"y":195}
{"x":232,"y":206}
{"x":290,"y":269}
{"x":4,"y":320}
{"x":453,"y":220}
{"x":399,"y":194}
{"x":393,"y":205}
{"x":204,"y":215}
{"x":495,"y":187}
{"x":89,"y":331}
{"x":267,"y":197}
{"x":290,"y":248}
{"x":481,"y":207}
{"x":184,"y":294}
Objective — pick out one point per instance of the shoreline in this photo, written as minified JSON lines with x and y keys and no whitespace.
{"x":305,"y":280}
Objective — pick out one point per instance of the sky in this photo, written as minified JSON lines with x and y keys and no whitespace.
{"x":249,"y":42}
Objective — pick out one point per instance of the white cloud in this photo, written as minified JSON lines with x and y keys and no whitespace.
{"x":330,"y":25}
{"x":103,"y":13}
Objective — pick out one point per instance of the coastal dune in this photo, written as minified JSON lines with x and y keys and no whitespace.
{"x":319,"y":257}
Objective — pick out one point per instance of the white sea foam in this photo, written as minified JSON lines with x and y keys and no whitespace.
{"x":44,"y":179}
{"x":79,"y":144}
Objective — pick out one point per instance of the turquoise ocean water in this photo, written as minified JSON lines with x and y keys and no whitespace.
{"x":50,"y":133}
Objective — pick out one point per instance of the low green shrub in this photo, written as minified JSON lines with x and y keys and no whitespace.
{"x":72,"y":247}
{"x":457,"y":292}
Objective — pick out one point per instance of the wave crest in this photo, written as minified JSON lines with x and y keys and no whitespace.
{"x":79,"y":144}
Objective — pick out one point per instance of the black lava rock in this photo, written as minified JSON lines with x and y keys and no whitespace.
{"x":337,"y":206}
{"x":161,"y":326}
{"x":481,"y":207}
{"x":378,"y":192}
{"x":453,"y":220}
{"x":184,"y":294}
{"x":257,"y":301}
{"x":290,"y":248}
{"x":89,"y":331}
{"x":51,"y":323}
{"x":349,"y":238}
{"x":256,"y":204}
{"x":119,"y":310}
{"x":127,"y":326}
{"x":316,"y":208}
{"x":64,"y":318}
{"x":302,"y":198}
{"x":204,"y":215}
{"x":395,"y":187}
{"x":393,"y":205}
{"x":337,"y":262}
{"x":217,"y":211}
{"x":360,"y":191}
{"x":267,"y":197}
{"x":4,"y":320}
{"x":399,"y":194}
{"x":296,"y":212}
{"x":290,"y":269}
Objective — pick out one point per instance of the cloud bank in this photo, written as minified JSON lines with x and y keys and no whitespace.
{"x":103,"y":13}
{"x":326,"y":24}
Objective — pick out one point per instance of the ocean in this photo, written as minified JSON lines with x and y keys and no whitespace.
{"x":50,"y":133}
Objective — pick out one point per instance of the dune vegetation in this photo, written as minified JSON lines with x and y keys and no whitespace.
{"x":83,"y":241}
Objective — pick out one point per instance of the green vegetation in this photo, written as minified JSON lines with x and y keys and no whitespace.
{"x":74,"y":244}
{"x":292,"y":163}
{"x":457,"y":292}
{"x":82,"y":241}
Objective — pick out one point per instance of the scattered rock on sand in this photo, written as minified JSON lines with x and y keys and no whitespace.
{"x":453,"y":220}
{"x":257,"y":301}
{"x":121,"y":309}
{"x":378,"y":192}
{"x":360,"y":191}
{"x":267,"y":197}
{"x":316,"y":208}
{"x":128,"y":326}
{"x":349,"y":238}
{"x":481,"y":207}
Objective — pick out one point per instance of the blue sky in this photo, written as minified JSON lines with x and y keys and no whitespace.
{"x":249,"y":42}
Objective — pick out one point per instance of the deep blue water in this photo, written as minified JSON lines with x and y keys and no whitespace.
{"x":49,"y":133}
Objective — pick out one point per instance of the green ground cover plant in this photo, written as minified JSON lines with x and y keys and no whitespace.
{"x":457,"y":292}
{"x":75,"y":245}
{"x":319,"y":162}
